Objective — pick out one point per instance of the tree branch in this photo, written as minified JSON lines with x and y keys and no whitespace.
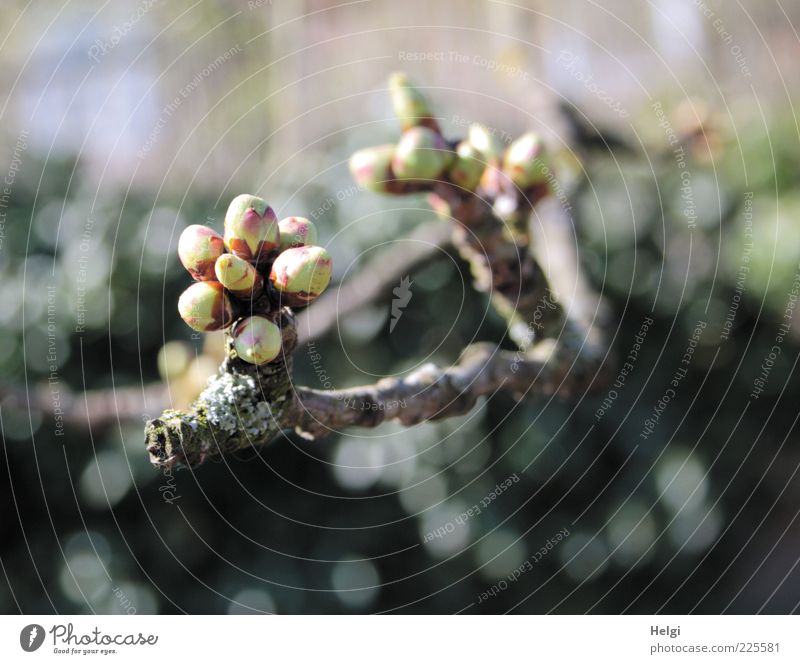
{"x":433,"y":393}
{"x":260,"y":401}
{"x":247,"y":405}
{"x":103,"y":407}
{"x":500,"y":259}
{"x":90,"y":408}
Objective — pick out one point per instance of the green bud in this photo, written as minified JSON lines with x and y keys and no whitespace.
{"x":256,"y":339}
{"x":485,"y":142}
{"x":251,"y":229}
{"x":301,"y":274}
{"x":296,"y":232}
{"x":409,"y":104}
{"x":372,"y":167}
{"x":524,"y":161}
{"x":198,"y":248}
{"x":467,"y":167}
{"x":421,"y":154}
{"x":205,"y":307}
{"x":238,"y":276}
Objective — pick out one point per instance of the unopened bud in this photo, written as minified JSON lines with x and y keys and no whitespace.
{"x":205,"y":307}
{"x":256,"y":339}
{"x":467,"y":167}
{"x":409,"y":104}
{"x":421,"y":154}
{"x":524,"y":161}
{"x":198,"y":248}
{"x":296,"y":232}
{"x":251,"y":229}
{"x":485,"y":142}
{"x":301,"y":274}
{"x":372,"y":167}
{"x":238,"y":276}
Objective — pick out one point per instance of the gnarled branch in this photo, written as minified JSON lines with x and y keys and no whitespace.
{"x":433,"y":393}
{"x":261,"y":401}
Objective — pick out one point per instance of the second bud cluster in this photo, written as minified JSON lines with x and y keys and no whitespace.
{"x":256,"y":253}
{"x":423,"y":155}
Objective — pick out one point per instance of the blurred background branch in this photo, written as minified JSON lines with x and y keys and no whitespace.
{"x":375,"y":279}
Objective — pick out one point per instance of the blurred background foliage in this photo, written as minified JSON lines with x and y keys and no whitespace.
{"x":124,"y":122}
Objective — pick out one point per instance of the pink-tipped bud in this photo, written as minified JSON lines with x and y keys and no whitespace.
{"x":256,"y":339}
{"x":296,"y":232}
{"x":301,"y":274}
{"x":198,"y":248}
{"x":238,"y":276}
{"x":205,"y":307}
{"x":371,"y":168}
{"x":251,"y":229}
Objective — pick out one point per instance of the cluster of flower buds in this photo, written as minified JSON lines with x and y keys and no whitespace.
{"x":257,"y":266}
{"x":423,"y":155}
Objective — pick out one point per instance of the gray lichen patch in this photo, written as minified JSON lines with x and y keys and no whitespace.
{"x":245,"y":405}
{"x":234,"y":404}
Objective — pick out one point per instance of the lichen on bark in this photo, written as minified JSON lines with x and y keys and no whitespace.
{"x":243,"y":406}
